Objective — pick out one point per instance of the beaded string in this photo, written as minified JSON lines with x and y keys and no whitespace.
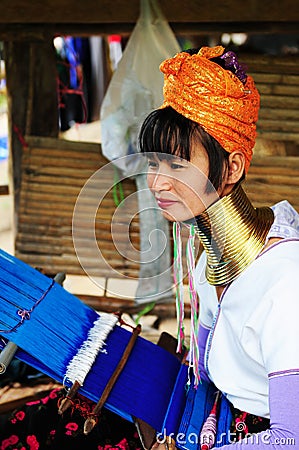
{"x":194,"y":349}
{"x":178,"y":283}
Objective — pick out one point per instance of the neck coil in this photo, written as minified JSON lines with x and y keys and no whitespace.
{"x":233,"y":233}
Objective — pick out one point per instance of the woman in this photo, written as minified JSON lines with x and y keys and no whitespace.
{"x":199,"y":147}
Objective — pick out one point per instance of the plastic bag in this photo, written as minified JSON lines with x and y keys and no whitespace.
{"x":136,"y":86}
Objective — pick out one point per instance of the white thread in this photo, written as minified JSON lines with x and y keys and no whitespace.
{"x":79,"y":366}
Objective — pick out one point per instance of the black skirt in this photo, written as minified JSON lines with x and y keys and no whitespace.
{"x":38,"y":426}
{"x":244,"y":424}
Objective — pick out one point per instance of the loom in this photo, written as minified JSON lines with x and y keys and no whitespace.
{"x":49,"y":327}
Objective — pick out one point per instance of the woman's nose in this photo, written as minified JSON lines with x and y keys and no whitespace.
{"x":159,"y":182}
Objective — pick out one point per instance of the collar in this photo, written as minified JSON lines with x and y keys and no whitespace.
{"x":233,"y":233}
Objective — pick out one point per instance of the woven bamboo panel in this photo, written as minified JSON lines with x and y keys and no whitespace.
{"x":277,"y":79}
{"x":272,"y":179}
{"x":53,"y":174}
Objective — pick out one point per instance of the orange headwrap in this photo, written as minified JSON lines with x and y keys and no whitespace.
{"x":214,"y":97}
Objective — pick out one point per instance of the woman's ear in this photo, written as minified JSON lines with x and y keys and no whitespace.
{"x":236,"y":167}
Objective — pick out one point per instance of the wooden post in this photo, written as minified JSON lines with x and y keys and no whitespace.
{"x":17,"y":90}
{"x":32,"y":100}
{"x":42,"y":105}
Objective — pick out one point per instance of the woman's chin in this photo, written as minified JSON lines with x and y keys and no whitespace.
{"x":178,"y":217}
{"x":168,"y":216}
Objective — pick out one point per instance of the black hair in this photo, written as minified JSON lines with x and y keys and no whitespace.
{"x":169,"y":133}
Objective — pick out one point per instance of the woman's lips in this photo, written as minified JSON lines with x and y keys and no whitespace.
{"x":165,"y":203}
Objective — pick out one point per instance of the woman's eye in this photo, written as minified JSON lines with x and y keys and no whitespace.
{"x":152,"y":164}
{"x":176,"y":166}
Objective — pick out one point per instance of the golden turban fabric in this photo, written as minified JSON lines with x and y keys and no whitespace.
{"x":214,"y":97}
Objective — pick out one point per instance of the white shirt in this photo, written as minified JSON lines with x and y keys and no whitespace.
{"x":254,"y":327}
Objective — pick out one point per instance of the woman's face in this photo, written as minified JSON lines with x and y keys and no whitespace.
{"x":180,"y":186}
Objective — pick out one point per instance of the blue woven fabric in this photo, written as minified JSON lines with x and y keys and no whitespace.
{"x":58,"y":325}
{"x":199,"y":403}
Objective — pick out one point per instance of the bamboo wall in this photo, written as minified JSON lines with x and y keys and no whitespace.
{"x":274,"y":175}
{"x":277,"y":79}
{"x":53,"y":173}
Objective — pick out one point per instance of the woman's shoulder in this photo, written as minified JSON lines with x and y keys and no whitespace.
{"x":286,"y":249}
